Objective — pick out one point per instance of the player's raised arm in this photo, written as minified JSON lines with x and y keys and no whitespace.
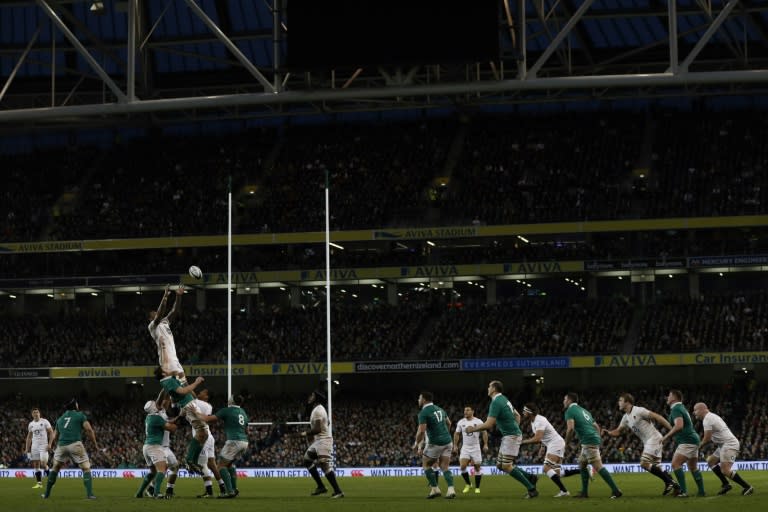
{"x":190,"y":387}
{"x":176,"y":310}
{"x":163,"y":307}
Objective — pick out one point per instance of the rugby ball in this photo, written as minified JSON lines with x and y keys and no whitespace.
{"x":195,"y":272}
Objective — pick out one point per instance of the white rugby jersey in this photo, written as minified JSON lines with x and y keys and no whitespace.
{"x":39,"y":431}
{"x":638,"y":420}
{"x":166,"y":346}
{"x":721,"y":434}
{"x":205,"y":409}
{"x":550,"y":434}
{"x":469,"y":440}
{"x":319,"y":413}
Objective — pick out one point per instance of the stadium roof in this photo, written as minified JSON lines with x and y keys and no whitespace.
{"x":69,"y":61}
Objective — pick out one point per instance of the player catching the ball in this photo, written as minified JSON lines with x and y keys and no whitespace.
{"x":160,"y":330}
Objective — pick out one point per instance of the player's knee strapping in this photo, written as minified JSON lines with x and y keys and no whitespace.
{"x":552,"y":464}
{"x":310,"y":458}
{"x":324,"y":462}
{"x":504,"y":460}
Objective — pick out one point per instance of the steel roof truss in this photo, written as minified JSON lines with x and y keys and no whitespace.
{"x":232,"y":47}
{"x":544,"y":19}
{"x":713,"y":27}
{"x":83,"y":51}
{"x":559,"y":38}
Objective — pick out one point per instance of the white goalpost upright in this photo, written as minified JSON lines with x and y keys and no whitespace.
{"x":329,"y":373}
{"x":329,"y":381}
{"x":229,"y":291}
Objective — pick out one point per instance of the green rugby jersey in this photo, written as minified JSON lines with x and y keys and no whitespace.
{"x":154,"y":429}
{"x":171,"y":384}
{"x":688,"y":435}
{"x":235,"y":422}
{"x":70,"y":427}
{"x":504,"y":412}
{"x":583,"y":424}
{"x":434,"y":418}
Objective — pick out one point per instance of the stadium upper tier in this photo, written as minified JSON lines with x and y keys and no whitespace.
{"x":425,"y":327}
{"x":483,"y":169}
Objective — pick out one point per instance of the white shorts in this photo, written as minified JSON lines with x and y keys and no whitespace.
{"x":167,"y":358}
{"x":233,"y":450}
{"x":322,"y":447}
{"x":556,"y":448}
{"x":510,"y":445}
{"x":689,"y":451}
{"x":39,"y":452}
{"x":727,"y":452}
{"x":154,"y":453}
{"x":208,"y":452}
{"x":475,"y":455}
{"x":652,"y":450}
{"x":74,"y":452}
{"x":170,"y":457}
{"x":589,"y":454}
{"x":435,"y":451}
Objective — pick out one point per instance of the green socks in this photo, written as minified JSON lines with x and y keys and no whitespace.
{"x":430,"y":474}
{"x":609,"y":480}
{"x":193,"y":452}
{"x":518,"y":475}
{"x":680,"y":475}
{"x":144,"y":484}
{"x":232,"y":470}
{"x":225,"y":475}
{"x":52,"y":476}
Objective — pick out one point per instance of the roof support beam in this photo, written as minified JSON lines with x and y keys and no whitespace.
{"x":121,"y":97}
{"x":708,"y":35}
{"x":277,"y":29}
{"x":559,"y":38}
{"x":377,"y":93}
{"x":544,"y":19}
{"x":580,"y":35}
{"x":673,"y":52}
{"x":232,"y":47}
{"x":67,"y":14}
{"x":131,"y":50}
{"x":522,"y":63}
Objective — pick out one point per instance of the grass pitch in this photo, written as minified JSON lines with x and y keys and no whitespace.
{"x":642,"y":492}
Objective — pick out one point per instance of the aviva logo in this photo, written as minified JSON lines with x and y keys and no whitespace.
{"x":535,"y":267}
{"x":430,"y":271}
{"x":625,"y":361}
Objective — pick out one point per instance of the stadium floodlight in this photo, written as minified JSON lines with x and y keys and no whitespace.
{"x":97,"y":7}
